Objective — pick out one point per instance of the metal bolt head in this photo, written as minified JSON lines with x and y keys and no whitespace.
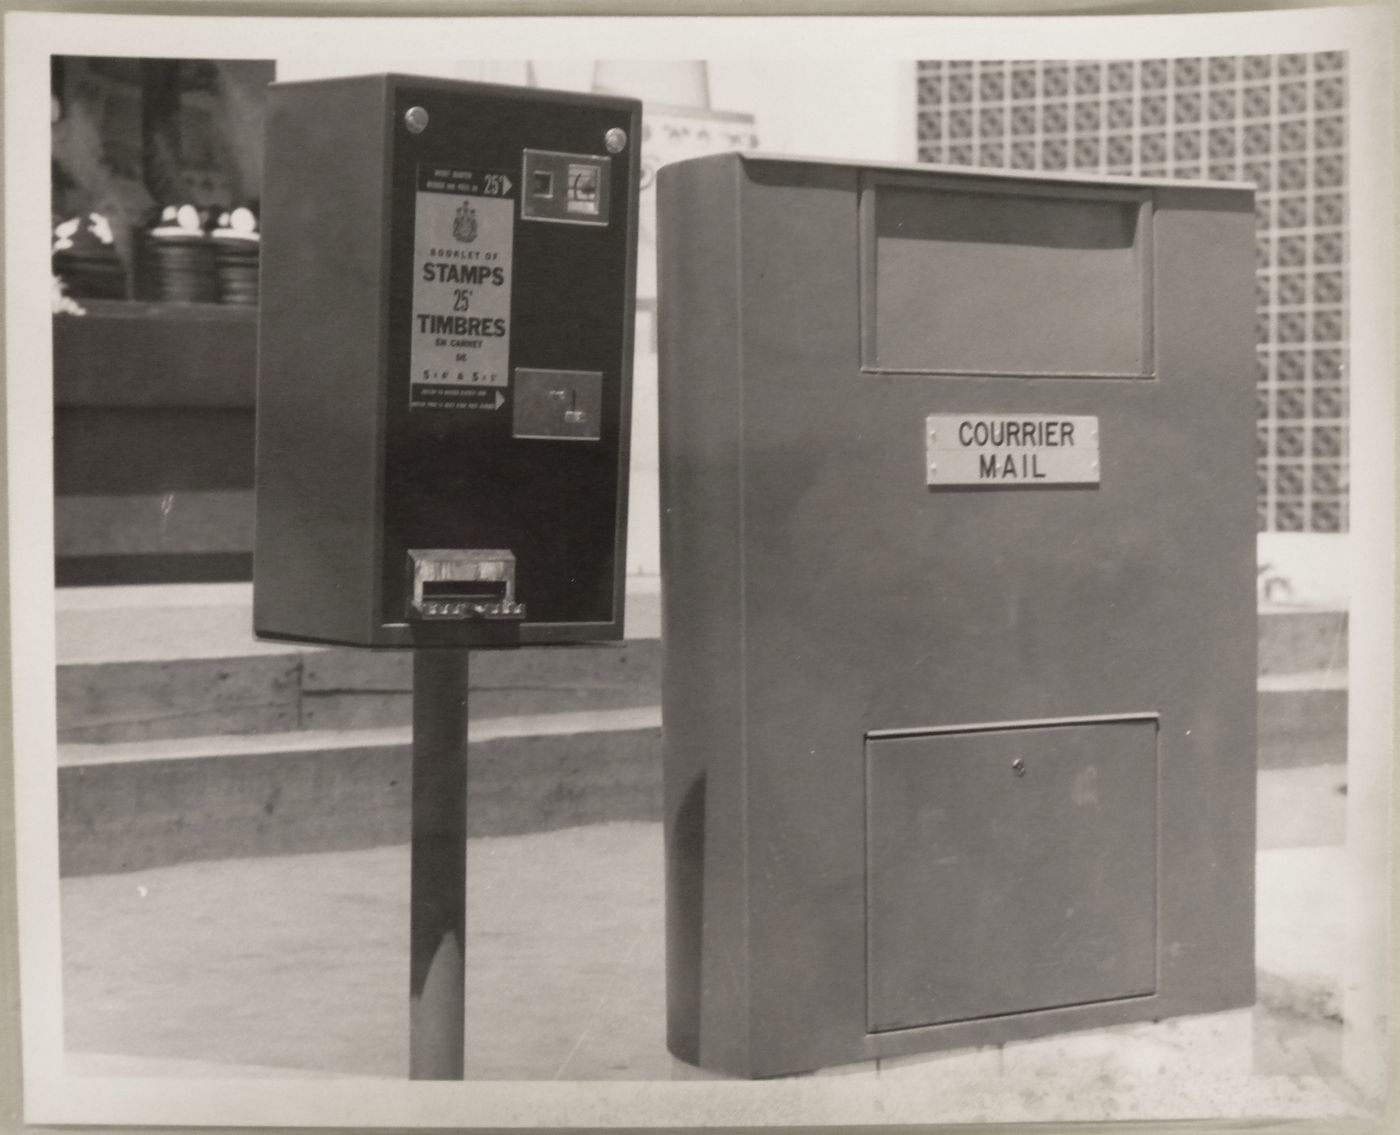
{"x":615,"y":140}
{"x":1018,"y":766}
{"x":415,"y":119}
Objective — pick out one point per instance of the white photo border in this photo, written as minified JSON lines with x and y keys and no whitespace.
{"x":51,"y":1097}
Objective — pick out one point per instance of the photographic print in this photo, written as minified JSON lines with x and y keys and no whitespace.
{"x":578,"y":571}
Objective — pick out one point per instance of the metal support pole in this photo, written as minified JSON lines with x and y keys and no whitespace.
{"x":438,"y":899}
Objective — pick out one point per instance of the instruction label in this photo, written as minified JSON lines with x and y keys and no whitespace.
{"x":463,"y":240}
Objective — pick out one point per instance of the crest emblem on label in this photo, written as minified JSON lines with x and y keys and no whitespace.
{"x":464,"y":223}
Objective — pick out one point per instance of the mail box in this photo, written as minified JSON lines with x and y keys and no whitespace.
{"x":445,"y":346}
{"x":958,"y":496}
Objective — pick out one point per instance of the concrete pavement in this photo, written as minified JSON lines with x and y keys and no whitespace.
{"x":267,"y":965}
{"x":298,"y":966}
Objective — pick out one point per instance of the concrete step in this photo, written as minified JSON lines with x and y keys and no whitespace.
{"x":130,"y":805}
{"x":182,"y":737}
{"x":337,"y":689}
{"x":168,"y":662}
{"x":1302,"y":719}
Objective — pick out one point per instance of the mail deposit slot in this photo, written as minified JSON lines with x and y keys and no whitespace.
{"x":958,"y":553}
{"x":445,"y":346}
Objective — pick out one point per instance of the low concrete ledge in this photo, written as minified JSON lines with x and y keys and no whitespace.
{"x":1302,"y":719}
{"x":347,"y":689}
{"x":134,"y":668}
{"x":186,"y":697}
{"x":1295,"y":639}
{"x":123,"y":807}
{"x":338,"y":689}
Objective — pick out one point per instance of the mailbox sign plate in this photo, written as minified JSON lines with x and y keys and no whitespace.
{"x":1008,"y":451}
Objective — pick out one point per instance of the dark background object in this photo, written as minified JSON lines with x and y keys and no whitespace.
{"x":153,"y":429}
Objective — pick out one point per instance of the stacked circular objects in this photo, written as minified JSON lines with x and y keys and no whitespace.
{"x":178,"y":263}
{"x":236,"y":251}
{"x":85,"y":259}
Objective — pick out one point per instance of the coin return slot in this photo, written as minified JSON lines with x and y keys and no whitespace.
{"x":541,"y":183}
{"x":476,"y":591}
{"x":448,"y":584}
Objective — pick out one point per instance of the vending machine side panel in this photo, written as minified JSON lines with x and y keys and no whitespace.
{"x":323,"y":254}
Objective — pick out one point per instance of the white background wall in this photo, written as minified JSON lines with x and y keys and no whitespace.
{"x":824,"y":108}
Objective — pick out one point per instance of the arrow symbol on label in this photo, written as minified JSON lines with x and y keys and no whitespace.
{"x":505,"y":186}
{"x":500,"y":401}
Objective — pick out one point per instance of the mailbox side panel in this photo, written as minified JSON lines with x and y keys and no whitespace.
{"x":320,"y":357}
{"x":706,"y":827}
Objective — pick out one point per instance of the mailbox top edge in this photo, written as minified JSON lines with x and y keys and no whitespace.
{"x":966,"y":173}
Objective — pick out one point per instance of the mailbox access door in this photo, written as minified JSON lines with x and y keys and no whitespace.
{"x":1010,"y":870}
